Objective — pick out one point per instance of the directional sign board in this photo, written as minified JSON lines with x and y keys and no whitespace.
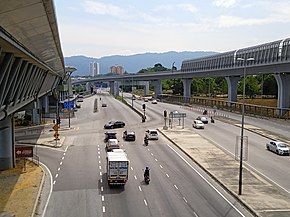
{"x":177,"y":115}
{"x":65,"y":104}
{"x":23,"y":151}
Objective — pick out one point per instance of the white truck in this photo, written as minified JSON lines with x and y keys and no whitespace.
{"x":117,"y":167}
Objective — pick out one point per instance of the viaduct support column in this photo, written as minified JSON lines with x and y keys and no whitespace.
{"x":111,"y":84}
{"x":157,"y":88}
{"x":146,"y":88}
{"x":232,"y":88}
{"x":6,"y":143}
{"x":36,"y":112}
{"x":283,"y":81}
{"x":186,"y":89}
{"x":116,"y":88}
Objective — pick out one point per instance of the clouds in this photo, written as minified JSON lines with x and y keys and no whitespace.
{"x":225,"y":3}
{"x":105,"y":27}
{"x":100,"y":8}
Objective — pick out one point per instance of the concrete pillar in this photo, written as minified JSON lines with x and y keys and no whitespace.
{"x":116,"y":88}
{"x":6,"y":143}
{"x":111,"y":85}
{"x":157,"y":88}
{"x":45,"y":104}
{"x":232,"y":88}
{"x":283,"y":81}
{"x":36,"y":112}
{"x":146,"y":88}
{"x":186,"y":88}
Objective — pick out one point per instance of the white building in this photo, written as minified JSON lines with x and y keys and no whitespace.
{"x":94,"y":69}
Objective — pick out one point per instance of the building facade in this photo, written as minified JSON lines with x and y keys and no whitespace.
{"x":94,"y":69}
{"x":117,"y":69}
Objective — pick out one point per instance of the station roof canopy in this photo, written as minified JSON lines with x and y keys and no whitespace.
{"x":33,"y":24}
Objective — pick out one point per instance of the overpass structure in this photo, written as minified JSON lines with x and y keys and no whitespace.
{"x":269,"y":58}
{"x":31,"y":62}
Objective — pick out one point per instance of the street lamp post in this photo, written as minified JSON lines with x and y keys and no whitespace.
{"x":243,"y":119}
{"x":132,"y":93}
{"x":69,"y":70}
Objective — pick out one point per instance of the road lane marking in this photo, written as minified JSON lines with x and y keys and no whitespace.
{"x":184,"y":199}
{"x":99,"y":152}
{"x":103,"y":198}
{"x":156,"y":160}
{"x":131,"y":168}
{"x":66,"y":148}
{"x":148,"y":149}
{"x":101,"y":173}
{"x":102,"y":188}
{"x":135,"y":177}
{"x":58,"y":169}
{"x":161,"y":166}
{"x":62,"y":158}
{"x":54,"y":182}
{"x":98,"y":149}
{"x":50,"y":190}
{"x":104,"y":209}
{"x":99,"y":161}
{"x":152,"y":154}
{"x":101,"y":180}
{"x":140,"y":189}
{"x":167,"y":175}
{"x":145,"y":202}
{"x":56,"y":175}
{"x":176,"y":187}
{"x":100,"y":167}
{"x":60,"y":163}
{"x":64,"y":153}
{"x":99,"y":157}
{"x":213,"y":187}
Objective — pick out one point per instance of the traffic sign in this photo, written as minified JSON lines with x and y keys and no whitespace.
{"x":55,"y":127}
{"x":56,"y":135}
{"x":23,"y":151}
{"x":65,"y":104}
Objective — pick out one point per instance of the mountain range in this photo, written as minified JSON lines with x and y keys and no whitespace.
{"x":133,"y":63}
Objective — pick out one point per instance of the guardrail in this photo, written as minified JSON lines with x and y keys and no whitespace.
{"x":250,"y":109}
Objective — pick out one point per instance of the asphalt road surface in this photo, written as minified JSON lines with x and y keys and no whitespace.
{"x":177,"y":187}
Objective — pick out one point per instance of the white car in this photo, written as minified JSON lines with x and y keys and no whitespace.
{"x":112,"y":144}
{"x":151,"y":134}
{"x":203,"y":119}
{"x":279,"y":148}
{"x":198,"y":124}
{"x":154,"y":101}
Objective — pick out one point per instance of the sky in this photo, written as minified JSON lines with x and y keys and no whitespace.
{"x":96,"y":28}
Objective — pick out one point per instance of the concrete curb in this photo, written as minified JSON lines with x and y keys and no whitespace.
{"x":39,"y":190}
{"x":213,"y":177}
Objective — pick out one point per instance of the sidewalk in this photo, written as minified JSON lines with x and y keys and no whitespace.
{"x":260,"y":196}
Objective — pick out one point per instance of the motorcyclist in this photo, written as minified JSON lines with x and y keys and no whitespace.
{"x":146,"y":172}
{"x":146,"y":140}
{"x":211,"y":120}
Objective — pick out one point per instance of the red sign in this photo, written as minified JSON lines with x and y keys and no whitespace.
{"x":23,"y":151}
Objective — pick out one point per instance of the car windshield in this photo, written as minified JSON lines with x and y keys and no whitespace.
{"x":282,"y":145}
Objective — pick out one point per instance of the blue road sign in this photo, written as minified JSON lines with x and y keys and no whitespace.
{"x":65,"y":104}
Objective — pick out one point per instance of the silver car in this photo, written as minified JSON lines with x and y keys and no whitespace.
{"x":198,"y":124}
{"x":279,"y":148}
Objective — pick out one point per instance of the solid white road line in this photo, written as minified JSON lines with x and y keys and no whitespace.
{"x":232,"y":205}
{"x":50,"y":191}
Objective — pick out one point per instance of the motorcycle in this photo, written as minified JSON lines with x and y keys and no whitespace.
{"x":146,"y":179}
{"x":146,"y":142}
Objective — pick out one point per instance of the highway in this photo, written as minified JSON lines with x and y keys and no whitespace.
{"x":177,"y":188}
{"x":224,"y":135}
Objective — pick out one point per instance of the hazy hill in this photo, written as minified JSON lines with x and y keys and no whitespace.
{"x":133,"y":63}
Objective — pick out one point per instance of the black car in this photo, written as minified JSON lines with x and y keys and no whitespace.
{"x":114,"y":124}
{"x":110,"y":135}
{"x":129,"y":135}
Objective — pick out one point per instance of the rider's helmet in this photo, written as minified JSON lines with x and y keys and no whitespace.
{"x":147,"y":168}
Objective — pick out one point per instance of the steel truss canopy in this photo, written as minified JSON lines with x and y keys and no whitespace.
{"x":33,"y":24}
{"x":31,"y":60}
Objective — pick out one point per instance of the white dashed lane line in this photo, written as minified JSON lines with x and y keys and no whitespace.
{"x":145,"y":202}
{"x":103,"y":198}
{"x":156,"y":160}
{"x":104,"y":209}
{"x":175,"y":186}
{"x":161,"y":166}
{"x":184,"y":199}
{"x":100,"y":167}
{"x":58,"y":169}
{"x":101,"y":173}
{"x":62,"y":158}
{"x":167,"y":175}
{"x":60,"y":163}
{"x":102,"y":189}
{"x":140,"y":189}
{"x":132,"y":168}
{"x":135,"y":177}
{"x":56,"y":175}
{"x":152,"y":154}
